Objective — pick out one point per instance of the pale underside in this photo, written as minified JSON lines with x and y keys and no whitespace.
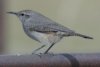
{"x":46,"y":39}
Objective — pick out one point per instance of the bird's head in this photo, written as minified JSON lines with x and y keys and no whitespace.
{"x":23,"y":15}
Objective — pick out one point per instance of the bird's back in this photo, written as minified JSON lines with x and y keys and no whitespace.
{"x":43,"y":21}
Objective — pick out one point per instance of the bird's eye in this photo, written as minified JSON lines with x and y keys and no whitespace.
{"x":22,"y":14}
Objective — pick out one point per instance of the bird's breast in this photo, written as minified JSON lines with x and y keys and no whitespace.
{"x":45,"y":39}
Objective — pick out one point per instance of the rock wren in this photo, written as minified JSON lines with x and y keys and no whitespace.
{"x":43,"y":29}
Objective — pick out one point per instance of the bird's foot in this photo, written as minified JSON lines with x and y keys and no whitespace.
{"x":42,"y":54}
{"x":49,"y":53}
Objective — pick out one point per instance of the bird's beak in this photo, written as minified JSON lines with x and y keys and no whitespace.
{"x":15,"y":13}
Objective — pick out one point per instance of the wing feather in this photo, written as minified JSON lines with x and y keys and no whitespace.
{"x":51,"y":28}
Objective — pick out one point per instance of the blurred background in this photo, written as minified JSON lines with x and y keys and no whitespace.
{"x":83,"y":16}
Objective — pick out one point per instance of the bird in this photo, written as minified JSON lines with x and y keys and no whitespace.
{"x":43,"y":29}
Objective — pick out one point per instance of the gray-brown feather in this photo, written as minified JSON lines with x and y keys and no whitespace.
{"x":43,"y":24}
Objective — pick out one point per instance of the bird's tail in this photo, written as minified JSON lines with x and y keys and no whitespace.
{"x":84,"y":36}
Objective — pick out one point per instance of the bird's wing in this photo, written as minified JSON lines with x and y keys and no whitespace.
{"x":43,"y":28}
{"x":44,"y":24}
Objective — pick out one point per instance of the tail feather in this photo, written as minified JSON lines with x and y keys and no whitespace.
{"x":84,"y":36}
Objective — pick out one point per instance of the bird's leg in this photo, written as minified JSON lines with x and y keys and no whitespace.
{"x":48,"y":49}
{"x":38,"y":49}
